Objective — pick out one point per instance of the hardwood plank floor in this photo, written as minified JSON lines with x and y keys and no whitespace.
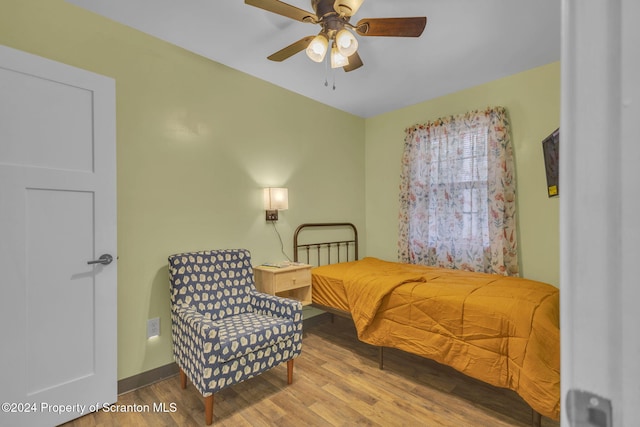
{"x":336,"y":383}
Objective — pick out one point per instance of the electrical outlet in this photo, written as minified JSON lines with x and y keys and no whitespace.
{"x":153,"y":327}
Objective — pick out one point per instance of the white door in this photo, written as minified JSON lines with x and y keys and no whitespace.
{"x":57,"y":212}
{"x":599,"y":210}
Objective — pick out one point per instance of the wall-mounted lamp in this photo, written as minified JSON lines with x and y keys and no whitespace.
{"x":275,"y":199}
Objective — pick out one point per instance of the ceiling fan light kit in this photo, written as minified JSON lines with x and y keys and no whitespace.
{"x":333,"y":16}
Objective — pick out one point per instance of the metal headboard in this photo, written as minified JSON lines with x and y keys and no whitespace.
{"x":340,"y":249}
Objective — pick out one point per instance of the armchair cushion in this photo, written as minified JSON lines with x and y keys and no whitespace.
{"x":250,"y":332}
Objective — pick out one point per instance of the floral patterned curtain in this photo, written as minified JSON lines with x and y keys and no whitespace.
{"x":458,"y":194}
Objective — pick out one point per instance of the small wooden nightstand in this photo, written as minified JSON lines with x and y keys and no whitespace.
{"x":292,"y":281}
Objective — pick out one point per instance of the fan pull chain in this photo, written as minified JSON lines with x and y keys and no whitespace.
{"x":327,"y":67}
{"x":326,"y":70}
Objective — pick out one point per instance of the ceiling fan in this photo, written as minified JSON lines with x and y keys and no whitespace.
{"x":334,"y":37}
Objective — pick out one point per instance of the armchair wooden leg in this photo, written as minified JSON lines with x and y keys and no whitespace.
{"x":289,"y":371}
{"x":208,"y":409}
{"x":183,"y":379}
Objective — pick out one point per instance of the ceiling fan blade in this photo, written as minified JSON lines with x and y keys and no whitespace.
{"x":291,"y":50}
{"x":347,"y":7}
{"x":392,"y":27}
{"x":354,"y":63}
{"x":284,"y":9}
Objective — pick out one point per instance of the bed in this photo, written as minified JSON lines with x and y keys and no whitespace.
{"x":500,"y":330}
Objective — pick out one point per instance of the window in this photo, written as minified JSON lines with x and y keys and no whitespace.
{"x":457,"y":199}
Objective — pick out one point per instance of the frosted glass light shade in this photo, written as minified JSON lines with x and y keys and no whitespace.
{"x":276,"y":199}
{"x":338,"y":59}
{"x":347,"y":43}
{"x":318,"y":47}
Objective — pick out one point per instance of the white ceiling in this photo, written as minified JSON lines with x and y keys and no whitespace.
{"x":465,"y":43}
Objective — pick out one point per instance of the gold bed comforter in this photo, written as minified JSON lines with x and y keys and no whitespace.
{"x":500,"y":330}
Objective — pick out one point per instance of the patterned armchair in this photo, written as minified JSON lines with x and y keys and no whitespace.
{"x":224,"y":331}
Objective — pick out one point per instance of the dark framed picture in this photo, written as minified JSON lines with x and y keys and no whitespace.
{"x":551,"y":151}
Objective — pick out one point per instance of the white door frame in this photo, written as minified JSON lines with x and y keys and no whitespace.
{"x":600,"y":180}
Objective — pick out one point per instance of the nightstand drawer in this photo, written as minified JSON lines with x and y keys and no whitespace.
{"x":292,"y":280}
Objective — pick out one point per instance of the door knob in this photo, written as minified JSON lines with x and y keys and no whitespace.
{"x":104,"y":259}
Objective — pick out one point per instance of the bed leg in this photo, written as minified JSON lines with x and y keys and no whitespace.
{"x":536,"y":418}
{"x":381,"y":357}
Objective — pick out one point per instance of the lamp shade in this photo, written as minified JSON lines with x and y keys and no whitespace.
{"x":347,"y":43}
{"x":276,"y":199}
{"x":318,"y":47}
{"x":338,"y":59}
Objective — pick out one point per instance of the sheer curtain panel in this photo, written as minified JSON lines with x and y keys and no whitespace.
{"x":458,"y":194}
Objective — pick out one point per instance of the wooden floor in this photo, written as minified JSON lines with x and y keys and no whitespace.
{"x":336,"y":383}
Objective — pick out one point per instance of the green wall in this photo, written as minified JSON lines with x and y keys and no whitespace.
{"x":532,"y":99}
{"x":196,"y":143}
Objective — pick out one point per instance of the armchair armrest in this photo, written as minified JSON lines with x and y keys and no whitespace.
{"x":272,"y":305}
{"x":196,"y":341}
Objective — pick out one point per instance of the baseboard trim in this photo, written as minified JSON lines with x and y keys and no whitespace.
{"x":317,"y":319}
{"x":146,"y":378}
